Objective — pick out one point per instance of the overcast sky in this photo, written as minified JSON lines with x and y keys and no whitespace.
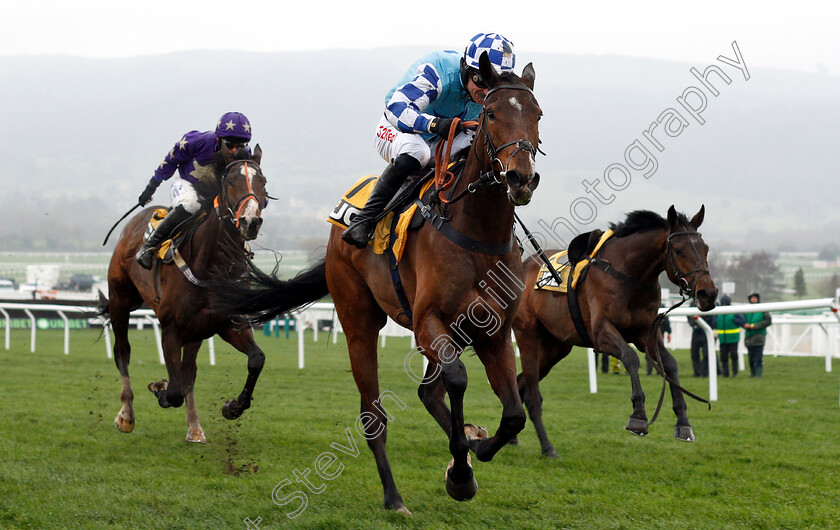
{"x":802,"y":36}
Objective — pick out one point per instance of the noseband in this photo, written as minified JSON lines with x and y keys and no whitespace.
{"x":685,"y":288}
{"x":234,"y":213}
{"x":493,"y":152}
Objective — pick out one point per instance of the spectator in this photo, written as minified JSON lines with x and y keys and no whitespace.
{"x":699,"y":344}
{"x":754,"y":336}
{"x":729,"y":333}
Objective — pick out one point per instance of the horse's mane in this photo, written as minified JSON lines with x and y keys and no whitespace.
{"x":644,"y":220}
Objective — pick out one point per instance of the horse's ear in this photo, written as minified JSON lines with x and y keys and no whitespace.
{"x":697,"y":220}
{"x":226,"y":154}
{"x":488,"y":73}
{"x":528,"y":75}
{"x":672,"y":218}
{"x":257,"y":156}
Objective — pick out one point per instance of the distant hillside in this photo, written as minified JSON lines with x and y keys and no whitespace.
{"x":83,"y":136}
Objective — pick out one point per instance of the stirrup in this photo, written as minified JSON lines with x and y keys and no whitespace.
{"x":351,"y":236}
{"x":145,"y":257}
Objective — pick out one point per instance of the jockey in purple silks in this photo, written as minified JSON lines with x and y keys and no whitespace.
{"x":192,"y":156}
{"x":419,"y":111}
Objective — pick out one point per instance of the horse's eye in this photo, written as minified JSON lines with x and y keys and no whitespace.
{"x":491,"y":115}
{"x":678,"y":252}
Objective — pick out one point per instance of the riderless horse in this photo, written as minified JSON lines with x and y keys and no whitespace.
{"x":616,"y":304}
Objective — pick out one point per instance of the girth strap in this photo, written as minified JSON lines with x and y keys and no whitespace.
{"x":462,"y":240}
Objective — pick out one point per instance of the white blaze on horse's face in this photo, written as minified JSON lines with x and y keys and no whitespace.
{"x":251,"y":208}
{"x":515,"y":104}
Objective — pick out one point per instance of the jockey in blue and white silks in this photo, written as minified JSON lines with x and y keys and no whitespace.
{"x":192,"y":157}
{"x":419,"y":111}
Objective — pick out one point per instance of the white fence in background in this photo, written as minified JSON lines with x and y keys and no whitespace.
{"x":789,"y":335}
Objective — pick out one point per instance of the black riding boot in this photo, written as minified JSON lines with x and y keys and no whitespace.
{"x":359,"y":231}
{"x":147,"y":252}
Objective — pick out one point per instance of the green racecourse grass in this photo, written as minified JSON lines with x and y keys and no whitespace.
{"x":766,"y":455}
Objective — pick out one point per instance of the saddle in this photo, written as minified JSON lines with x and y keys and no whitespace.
{"x":388,"y":233}
{"x":581,"y":250}
{"x":168,"y":249}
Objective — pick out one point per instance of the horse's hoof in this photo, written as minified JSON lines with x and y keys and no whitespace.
{"x":684,"y":433}
{"x":124,"y":424}
{"x":159,"y":390}
{"x":196,"y":436}
{"x":637,"y":427}
{"x":402,"y":510}
{"x":513,"y":441}
{"x":550,"y":453}
{"x":461,"y":492}
{"x":231,"y":410}
{"x":474,"y":432}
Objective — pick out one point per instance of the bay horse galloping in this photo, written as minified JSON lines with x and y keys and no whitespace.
{"x":619,"y":300}
{"x":218,"y":244}
{"x":447,"y":270}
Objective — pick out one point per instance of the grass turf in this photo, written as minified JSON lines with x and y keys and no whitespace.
{"x":765,"y":456}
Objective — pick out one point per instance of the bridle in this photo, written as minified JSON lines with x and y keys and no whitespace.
{"x":493,"y":151}
{"x":234,"y":214}
{"x":686,"y":289}
{"x":498,"y":170}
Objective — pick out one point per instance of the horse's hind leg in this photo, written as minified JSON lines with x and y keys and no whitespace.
{"x":119,"y":309}
{"x":539,"y":353}
{"x":188,"y":369}
{"x":362,"y":319}
{"x":243,"y":340}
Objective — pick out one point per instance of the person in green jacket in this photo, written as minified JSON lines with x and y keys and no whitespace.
{"x":755,"y":333}
{"x":729,"y":333}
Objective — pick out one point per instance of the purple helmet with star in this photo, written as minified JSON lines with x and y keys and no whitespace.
{"x":233,"y":125}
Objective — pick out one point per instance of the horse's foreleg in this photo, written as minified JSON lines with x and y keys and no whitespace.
{"x":432,"y":393}
{"x":243,"y":340}
{"x":173,"y":395}
{"x":188,"y":369}
{"x":682,"y":430}
{"x":500,"y":366}
{"x":610,"y":342}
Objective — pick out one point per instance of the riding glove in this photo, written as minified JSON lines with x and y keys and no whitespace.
{"x":146,"y":197}
{"x":441,"y":127}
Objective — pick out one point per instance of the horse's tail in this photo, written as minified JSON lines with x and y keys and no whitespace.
{"x":103,"y":306}
{"x":268,"y":297}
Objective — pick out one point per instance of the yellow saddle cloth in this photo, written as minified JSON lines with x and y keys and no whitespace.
{"x":157,"y":217}
{"x":545,"y":280}
{"x":354,"y":200}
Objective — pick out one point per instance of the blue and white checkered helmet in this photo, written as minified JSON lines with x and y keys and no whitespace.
{"x":498,"y":48}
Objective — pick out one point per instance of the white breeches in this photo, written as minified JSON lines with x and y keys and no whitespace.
{"x":391,"y":143}
{"x":183,"y":194}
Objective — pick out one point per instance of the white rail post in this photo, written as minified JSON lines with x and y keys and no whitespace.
{"x":593,"y":377}
{"x":106,"y":330}
{"x":212,"y":347}
{"x":712,"y":350}
{"x":299,"y":331}
{"x":66,"y":332}
{"x":158,"y":339}
{"x":32,"y":337}
{"x":6,"y":316}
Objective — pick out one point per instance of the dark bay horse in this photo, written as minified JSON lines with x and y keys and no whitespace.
{"x":616,"y":309}
{"x":181,"y":306}
{"x":460,"y":291}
